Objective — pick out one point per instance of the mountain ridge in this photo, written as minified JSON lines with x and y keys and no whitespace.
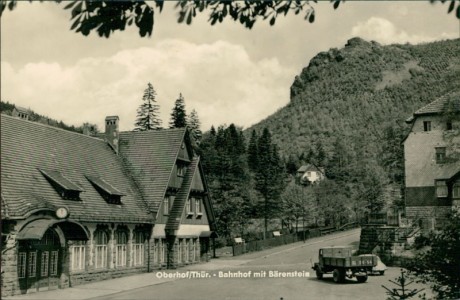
{"x":343,"y":93}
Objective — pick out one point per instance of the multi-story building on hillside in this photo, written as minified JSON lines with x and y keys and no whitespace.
{"x":432,"y":165}
{"x":77,"y":208}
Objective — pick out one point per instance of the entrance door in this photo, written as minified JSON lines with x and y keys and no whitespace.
{"x":39,"y":263}
{"x":204,"y":251}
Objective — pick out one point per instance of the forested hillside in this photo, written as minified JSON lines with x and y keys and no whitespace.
{"x":346,"y":114}
{"x":348,"y":106}
{"x":7,"y":109}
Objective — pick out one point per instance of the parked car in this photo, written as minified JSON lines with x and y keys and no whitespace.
{"x":380,"y":268}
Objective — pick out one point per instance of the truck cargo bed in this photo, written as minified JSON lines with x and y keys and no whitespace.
{"x":353,"y":261}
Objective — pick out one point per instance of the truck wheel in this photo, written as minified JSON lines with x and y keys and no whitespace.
{"x":361,"y":279}
{"x":338,"y":276}
{"x":319,"y":274}
{"x":382,"y":272}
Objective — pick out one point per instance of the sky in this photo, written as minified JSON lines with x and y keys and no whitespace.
{"x":227,"y":73}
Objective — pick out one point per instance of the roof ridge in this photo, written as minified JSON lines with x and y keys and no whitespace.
{"x":52,"y":127}
{"x":154,"y":130}
{"x":174,"y":162}
{"x":21,"y":108}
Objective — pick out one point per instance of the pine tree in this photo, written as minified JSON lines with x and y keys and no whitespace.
{"x":212,"y":131}
{"x":194,"y":126}
{"x":148,"y":111}
{"x":269,"y":176}
{"x":178,"y":115}
{"x":253,"y":159}
{"x":224,"y":159}
{"x":402,"y":292}
{"x":320,"y":155}
{"x":292,"y":164}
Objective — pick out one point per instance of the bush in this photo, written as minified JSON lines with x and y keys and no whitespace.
{"x":421,"y":241}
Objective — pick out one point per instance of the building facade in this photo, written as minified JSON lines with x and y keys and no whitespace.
{"x":77,"y":209}
{"x":432,"y":165}
{"x":310,"y":174}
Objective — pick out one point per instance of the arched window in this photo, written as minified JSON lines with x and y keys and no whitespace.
{"x":100,"y":240}
{"x":138,"y":248}
{"x":121,"y":249}
{"x":77,"y":253}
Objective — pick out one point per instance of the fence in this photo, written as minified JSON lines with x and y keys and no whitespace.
{"x":284,"y":239}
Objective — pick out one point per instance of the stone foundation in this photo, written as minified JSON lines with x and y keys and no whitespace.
{"x":9,"y":281}
{"x":435,"y":213}
{"x":384,"y":241}
{"x":91,"y":276}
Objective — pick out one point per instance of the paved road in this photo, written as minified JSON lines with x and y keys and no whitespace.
{"x":261,"y":276}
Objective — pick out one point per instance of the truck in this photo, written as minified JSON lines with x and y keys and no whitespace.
{"x":342,"y":263}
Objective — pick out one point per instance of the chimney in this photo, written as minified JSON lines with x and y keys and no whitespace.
{"x":111,"y":132}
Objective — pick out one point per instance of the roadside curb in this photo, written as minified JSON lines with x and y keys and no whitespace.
{"x":109,"y":287}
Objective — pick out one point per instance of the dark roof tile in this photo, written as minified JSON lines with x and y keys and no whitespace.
{"x":27,"y":147}
{"x":149,"y":157}
{"x":450,"y":101}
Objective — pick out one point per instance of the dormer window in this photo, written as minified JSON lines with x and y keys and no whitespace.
{"x":63,"y":186}
{"x":426,"y":125}
{"x":106,"y":190}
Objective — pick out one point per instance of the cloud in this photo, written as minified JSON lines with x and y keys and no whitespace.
{"x":219,"y":80}
{"x":385,"y":32}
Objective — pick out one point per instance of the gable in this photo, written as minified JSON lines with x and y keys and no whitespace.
{"x":197,"y":182}
{"x":184,"y":152}
{"x":149,"y":157}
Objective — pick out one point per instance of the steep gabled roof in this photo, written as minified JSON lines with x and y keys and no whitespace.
{"x":450,"y":101}
{"x":181,"y":197}
{"x":149,"y":157}
{"x":28,"y":147}
{"x":22,"y":109}
{"x":207,"y":201}
{"x":309,"y":167}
